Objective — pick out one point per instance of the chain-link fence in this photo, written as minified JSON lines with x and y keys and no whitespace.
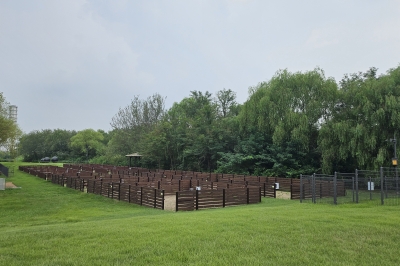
{"x":382,"y":187}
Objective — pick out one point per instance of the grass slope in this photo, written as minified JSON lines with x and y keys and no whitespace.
{"x":45,"y":224}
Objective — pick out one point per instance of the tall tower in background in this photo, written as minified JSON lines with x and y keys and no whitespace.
{"x":13,"y":113}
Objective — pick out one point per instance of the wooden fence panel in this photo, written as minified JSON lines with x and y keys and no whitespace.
{"x":136,"y":195}
{"x":210,"y":199}
{"x":185,"y":200}
{"x":254,"y":195}
{"x":235,"y":196}
{"x":148,"y":197}
{"x":295,"y":190}
{"x":115,"y":190}
{"x":125,"y":192}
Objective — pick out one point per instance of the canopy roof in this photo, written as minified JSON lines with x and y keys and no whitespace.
{"x":133,"y":155}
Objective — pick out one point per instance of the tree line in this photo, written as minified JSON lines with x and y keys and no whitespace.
{"x":294,"y":123}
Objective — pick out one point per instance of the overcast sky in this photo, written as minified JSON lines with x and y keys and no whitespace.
{"x":72,"y":64}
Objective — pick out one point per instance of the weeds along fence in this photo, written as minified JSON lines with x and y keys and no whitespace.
{"x":381,"y":187}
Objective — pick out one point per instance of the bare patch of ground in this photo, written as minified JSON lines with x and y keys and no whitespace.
{"x":10,"y":185}
{"x":282,"y":195}
{"x":169,"y":202}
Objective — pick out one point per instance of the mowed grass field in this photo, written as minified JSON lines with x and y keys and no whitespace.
{"x":44,"y":224}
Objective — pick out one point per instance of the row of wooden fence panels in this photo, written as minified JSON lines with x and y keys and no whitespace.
{"x":267,"y":184}
{"x":150,"y":195}
{"x":170,"y":186}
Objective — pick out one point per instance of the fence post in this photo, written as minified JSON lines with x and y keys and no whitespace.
{"x":223,"y":198}
{"x":155,"y":198}
{"x":370,"y":188}
{"x":248,"y":195}
{"x":197,"y":199}
{"x":382,"y":190}
{"x":313,"y":188}
{"x":356,"y":185}
{"x":259,"y":200}
{"x":301,"y":188}
{"x":320,"y":190}
{"x":119,"y":191}
{"x":265,"y":186}
{"x":176,"y":201}
{"x":141,"y":195}
{"x":396,"y":176}
{"x":162,"y":194}
{"x":335,"y":188}
{"x":129,"y":194}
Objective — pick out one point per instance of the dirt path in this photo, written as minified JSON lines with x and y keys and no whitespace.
{"x":282,"y":195}
{"x":10,"y":185}
{"x":169,"y":202}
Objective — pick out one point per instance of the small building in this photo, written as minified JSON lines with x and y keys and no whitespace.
{"x":136,"y":157}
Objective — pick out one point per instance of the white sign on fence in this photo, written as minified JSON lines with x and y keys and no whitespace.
{"x":371,"y":186}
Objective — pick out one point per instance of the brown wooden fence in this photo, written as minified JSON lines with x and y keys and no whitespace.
{"x":216,"y":198}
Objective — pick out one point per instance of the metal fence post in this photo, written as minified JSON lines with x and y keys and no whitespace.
{"x":352,"y":186}
{"x":370,"y":188}
{"x":301,"y":188}
{"x":335,"y":188}
{"x":313,"y":188}
{"x":356,"y":185}
{"x":397,"y":181}
{"x":382,"y":189}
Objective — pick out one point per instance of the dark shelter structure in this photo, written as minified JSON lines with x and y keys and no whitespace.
{"x":136,"y":157}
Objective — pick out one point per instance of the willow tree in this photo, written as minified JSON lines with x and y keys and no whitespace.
{"x":86,"y":141}
{"x":132,"y":123}
{"x":366,"y":116}
{"x":290,"y":107}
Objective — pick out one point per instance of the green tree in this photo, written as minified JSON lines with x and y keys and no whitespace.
{"x":226,"y":103}
{"x":367,"y":114}
{"x":86,"y":141}
{"x":291,"y":106}
{"x":132,"y":123}
{"x":38,"y":144}
{"x":192,"y":133}
{"x":8,"y":128}
{"x":290,"y":109}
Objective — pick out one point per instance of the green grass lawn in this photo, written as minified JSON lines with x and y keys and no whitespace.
{"x":44,"y":224}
